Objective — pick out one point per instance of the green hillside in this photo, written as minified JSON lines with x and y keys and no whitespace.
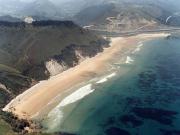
{"x":24,"y":50}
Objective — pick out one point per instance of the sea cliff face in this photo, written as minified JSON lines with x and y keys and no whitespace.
{"x":75,"y":54}
{"x":31,"y":46}
{"x":54,"y":68}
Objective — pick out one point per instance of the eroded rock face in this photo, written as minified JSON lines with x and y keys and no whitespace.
{"x":72,"y":56}
{"x":79,"y":55}
{"x":2,"y":86}
{"x":54,"y":67}
{"x":41,"y":41}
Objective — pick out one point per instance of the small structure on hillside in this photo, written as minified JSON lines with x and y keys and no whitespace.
{"x":29,"y":20}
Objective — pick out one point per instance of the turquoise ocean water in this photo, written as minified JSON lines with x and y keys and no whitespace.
{"x":142,"y":99}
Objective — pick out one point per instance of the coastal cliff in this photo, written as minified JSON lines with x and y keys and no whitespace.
{"x":33,"y":52}
{"x":32,"y":45}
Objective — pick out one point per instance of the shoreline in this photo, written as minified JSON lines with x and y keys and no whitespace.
{"x":33,"y":100}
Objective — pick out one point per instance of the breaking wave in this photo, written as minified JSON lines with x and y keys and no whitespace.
{"x":140,"y":44}
{"x":77,"y":95}
{"x":129,"y":60}
{"x":56,"y":115}
{"x":106,"y":78}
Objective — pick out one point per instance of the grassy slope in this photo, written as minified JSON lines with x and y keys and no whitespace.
{"x":41,"y":43}
{"x":28,"y":47}
{"x":5,"y":129}
{"x":15,"y":82}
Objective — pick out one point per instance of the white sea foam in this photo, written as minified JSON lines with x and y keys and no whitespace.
{"x":77,"y":95}
{"x":55,"y":120}
{"x":102,"y":80}
{"x":140,"y":44}
{"x":106,"y":78}
{"x":74,"y":97}
{"x":129,"y":60}
{"x":56,"y":115}
{"x":136,"y":50}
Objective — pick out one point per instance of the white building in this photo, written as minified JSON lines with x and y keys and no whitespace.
{"x":29,"y":20}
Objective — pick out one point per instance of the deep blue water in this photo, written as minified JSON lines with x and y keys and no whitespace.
{"x":145,"y":100}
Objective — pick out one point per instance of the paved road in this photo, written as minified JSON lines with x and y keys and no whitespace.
{"x":133,"y":32}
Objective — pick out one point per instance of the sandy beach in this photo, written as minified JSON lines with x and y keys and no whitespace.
{"x":36,"y":98}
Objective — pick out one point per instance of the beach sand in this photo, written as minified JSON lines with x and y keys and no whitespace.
{"x":36,"y":98}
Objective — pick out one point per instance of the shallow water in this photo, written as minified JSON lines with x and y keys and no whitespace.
{"x":143,"y":98}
